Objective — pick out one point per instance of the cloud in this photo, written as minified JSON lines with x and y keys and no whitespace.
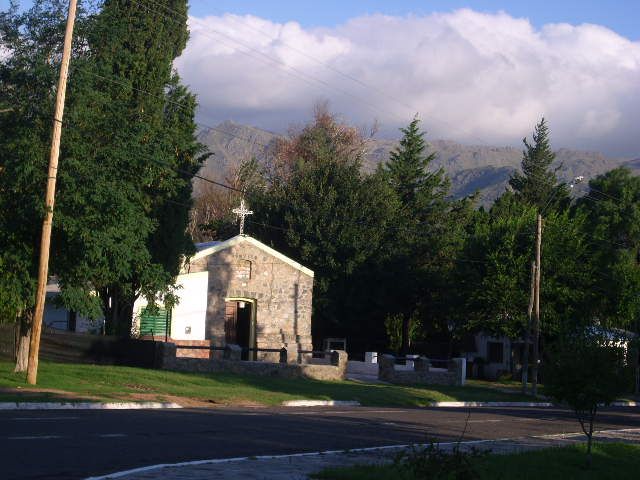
{"x":472,"y":77}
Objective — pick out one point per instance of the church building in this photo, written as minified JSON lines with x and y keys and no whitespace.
{"x":239,"y":291}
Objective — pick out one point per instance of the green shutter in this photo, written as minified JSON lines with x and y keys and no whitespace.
{"x":155,"y":323}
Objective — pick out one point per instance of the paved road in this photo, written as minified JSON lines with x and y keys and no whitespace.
{"x":77,"y":444}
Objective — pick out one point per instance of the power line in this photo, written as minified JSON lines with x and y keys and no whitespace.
{"x":342,"y":73}
{"x":304,"y":76}
{"x":270,"y":60}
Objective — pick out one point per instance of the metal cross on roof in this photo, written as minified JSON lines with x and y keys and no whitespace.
{"x":242,"y":212}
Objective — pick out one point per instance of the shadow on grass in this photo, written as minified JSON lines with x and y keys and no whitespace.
{"x":116,"y":381}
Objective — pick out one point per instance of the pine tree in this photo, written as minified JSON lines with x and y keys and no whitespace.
{"x":420,"y":217}
{"x":537,"y":184}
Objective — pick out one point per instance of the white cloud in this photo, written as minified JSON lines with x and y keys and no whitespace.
{"x":472,"y":76}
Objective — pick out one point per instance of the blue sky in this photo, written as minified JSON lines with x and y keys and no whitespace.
{"x":476,"y":71}
{"x":622,"y":16}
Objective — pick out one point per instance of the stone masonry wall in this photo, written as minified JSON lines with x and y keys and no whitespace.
{"x":232,"y":364}
{"x":282,"y":294}
{"x":422,"y":373}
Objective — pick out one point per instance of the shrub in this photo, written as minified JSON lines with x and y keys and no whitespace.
{"x":433,"y":463}
{"x":585,"y":371}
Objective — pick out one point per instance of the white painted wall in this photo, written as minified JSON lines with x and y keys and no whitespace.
{"x":191,"y":310}
{"x":57,"y":317}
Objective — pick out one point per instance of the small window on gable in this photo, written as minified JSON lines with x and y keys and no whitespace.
{"x":243,"y":270}
{"x":495,"y":352}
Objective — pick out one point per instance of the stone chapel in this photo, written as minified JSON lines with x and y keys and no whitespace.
{"x":239,"y":291}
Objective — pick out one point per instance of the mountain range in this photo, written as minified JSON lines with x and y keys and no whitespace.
{"x":471,"y":168}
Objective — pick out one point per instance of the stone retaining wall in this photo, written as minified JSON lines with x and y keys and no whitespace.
{"x":421,"y":373}
{"x":231,"y":363}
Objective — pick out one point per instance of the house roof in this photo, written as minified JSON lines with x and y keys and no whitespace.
{"x":209,"y":248}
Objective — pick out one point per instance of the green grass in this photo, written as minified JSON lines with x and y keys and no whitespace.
{"x":115,"y":382}
{"x":610,"y":461}
{"x":514,"y":386}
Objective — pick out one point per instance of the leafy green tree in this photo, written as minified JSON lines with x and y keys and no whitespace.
{"x":127,"y":159}
{"x":318,"y":207}
{"x":612,"y":210}
{"x":30,"y":40}
{"x":500,"y":276}
{"x":586,"y":370}
{"x":125,"y":181}
{"x":537,"y":184}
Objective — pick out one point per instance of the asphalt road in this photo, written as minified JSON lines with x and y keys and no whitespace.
{"x":76,"y":444}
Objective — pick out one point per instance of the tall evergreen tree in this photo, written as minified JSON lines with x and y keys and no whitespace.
{"x":125,"y":178}
{"x":127,"y":159}
{"x":538,"y":184}
{"x":420,"y":219}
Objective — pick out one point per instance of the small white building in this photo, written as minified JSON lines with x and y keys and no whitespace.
{"x":59,"y":318}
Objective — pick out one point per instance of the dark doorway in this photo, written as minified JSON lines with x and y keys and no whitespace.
{"x":239,"y":318}
{"x":72,"y":321}
{"x":244,"y":328}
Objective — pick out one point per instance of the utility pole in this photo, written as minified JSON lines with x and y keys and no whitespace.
{"x":536,"y":310}
{"x":45,"y":241}
{"x":527,"y":334}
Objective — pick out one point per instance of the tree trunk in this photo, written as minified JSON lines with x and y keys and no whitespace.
{"x":636,"y":358}
{"x":118,"y":312}
{"x":406,"y":326}
{"x":590,"y":438}
{"x":22,"y":340}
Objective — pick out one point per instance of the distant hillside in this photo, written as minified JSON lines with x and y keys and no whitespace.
{"x":471,"y":167}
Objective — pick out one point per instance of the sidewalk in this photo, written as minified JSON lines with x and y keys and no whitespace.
{"x":299,"y":466}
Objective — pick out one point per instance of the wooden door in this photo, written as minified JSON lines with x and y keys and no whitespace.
{"x":231,"y":323}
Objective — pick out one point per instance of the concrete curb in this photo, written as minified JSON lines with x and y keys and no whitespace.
{"x":86,"y":405}
{"x":321,"y":403}
{"x":354,"y":403}
{"x":381,"y":448}
{"x":490,"y":404}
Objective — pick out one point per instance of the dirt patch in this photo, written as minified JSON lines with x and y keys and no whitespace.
{"x":30,"y":393}
{"x":26,"y":394}
{"x":137,"y":386}
{"x":187,"y":402}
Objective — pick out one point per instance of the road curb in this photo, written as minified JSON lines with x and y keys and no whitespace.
{"x":86,"y":405}
{"x":490,"y":404}
{"x":354,"y":403}
{"x":381,"y":448}
{"x":321,"y":403}
{"x":517,"y":404}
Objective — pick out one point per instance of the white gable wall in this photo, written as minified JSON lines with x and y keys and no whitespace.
{"x":191,"y":310}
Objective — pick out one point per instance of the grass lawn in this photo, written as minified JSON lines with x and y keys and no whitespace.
{"x":82,"y":381}
{"x":514,"y":386}
{"x":610,"y":461}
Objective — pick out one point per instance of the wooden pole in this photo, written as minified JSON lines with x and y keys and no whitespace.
{"x":527,"y":333}
{"x":536,"y":310}
{"x":45,"y":241}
